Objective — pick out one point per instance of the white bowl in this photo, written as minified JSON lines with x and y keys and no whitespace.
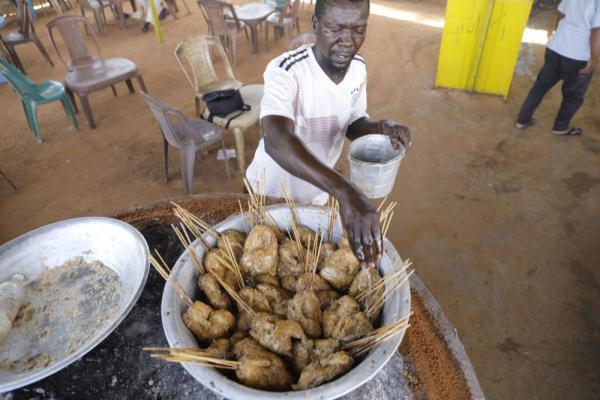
{"x":178,"y":335}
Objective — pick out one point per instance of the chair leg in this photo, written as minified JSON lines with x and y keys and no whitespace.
{"x":188,"y":160}
{"x":114,"y":90}
{"x":197,"y":104}
{"x":138,"y":77}
{"x":166,"y":158}
{"x":66,"y":102}
{"x":238,"y":136}
{"x":187,"y":9}
{"x":99,"y":24}
{"x":15,"y":58}
{"x":40,"y":46}
{"x":26,"y":111}
{"x":233,"y":44}
{"x":226,"y":159}
{"x":31,"y":109}
{"x":267,"y":38}
{"x":133,"y":5}
{"x":85,"y":105}
{"x":72,"y":97}
{"x":130,"y":86}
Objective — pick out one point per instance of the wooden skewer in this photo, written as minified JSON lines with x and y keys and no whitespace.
{"x":233,"y":261}
{"x":379,"y":302}
{"x":333,"y":206}
{"x":386,"y":279}
{"x":191,"y":226}
{"x":195,"y":356}
{"x":161,"y":267}
{"x":364,"y":344}
{"x":381,"y":204}
{"x":187,"y":245}
{"x":179,"y":210}
{"x":234,"y":295}
{"x":243,"y":218}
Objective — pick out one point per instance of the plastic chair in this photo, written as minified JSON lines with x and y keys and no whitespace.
{"x":301,"y":39}
{"x":87,"y":73}
{"x":35,"y":94}
{"x":189,"y":136}
{"x":24,"y":34}
{"x":196,"y":51}
{"x":97,"y":8}
{"x":285,"y":20}
{"x":252,"y":95}
{"x":223,"y":23}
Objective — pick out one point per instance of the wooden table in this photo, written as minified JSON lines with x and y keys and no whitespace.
{"x":253,"y":14}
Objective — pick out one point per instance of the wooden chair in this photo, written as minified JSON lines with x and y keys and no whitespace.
{"x":87,"y":73}
{"x":189,"y":136}
{"x":194,"y":58}
{"x":285,"y":21}
{"x":24,"y":34}
{"x":223,"y":23}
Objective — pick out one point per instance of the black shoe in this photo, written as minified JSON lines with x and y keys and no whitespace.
{"x":145,"y":27}
{"x":163,"y":14}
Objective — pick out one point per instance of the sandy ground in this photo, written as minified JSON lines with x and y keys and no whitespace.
{"x":502,"y":225}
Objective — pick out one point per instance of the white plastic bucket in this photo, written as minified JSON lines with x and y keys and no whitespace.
{"x":374,"y":164}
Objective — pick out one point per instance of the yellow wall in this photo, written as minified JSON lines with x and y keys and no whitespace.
{"x":480,"y":44}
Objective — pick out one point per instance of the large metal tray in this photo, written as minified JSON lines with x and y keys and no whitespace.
{"x":116,"y":244}
{"x":315,"y":218}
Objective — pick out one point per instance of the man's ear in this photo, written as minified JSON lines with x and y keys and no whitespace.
{"x":314,"y":24}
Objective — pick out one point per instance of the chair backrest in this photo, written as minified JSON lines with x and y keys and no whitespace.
{"x":290,"y":10}
{"x":69,"y":27}
{"x":301,"y":39}
{"x":196,"y":51}
{"x":215,"y":11}
{"x":171,"y":121}
{"x":24,"y":24}
{"x":20,"y":83}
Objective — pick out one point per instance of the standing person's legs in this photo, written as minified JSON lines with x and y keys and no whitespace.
{"x":159,"y":10}
{"x":546,"y":79}
{"x":574,"y":87}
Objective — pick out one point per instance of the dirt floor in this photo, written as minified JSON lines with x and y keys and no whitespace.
{"x":502,"y":225}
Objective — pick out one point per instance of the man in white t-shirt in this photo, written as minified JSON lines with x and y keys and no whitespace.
{"x":315,"y":96}
{"x":571,"y":56}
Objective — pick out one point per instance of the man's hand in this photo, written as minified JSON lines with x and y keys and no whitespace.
{"x":361,"y":222}
{"x":588,"y":69}
{"x":399,"y":134}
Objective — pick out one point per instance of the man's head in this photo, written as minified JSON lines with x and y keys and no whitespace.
{"x":341,"y":28}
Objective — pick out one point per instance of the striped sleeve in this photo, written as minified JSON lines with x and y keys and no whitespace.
{"x":279,"y":91}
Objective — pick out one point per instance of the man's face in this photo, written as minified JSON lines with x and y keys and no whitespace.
{"x":341,"y":31}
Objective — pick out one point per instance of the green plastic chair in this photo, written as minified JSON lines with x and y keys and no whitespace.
{"x":34,"y":94}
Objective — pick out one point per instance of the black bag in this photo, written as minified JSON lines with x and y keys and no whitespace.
{"x":224,"y":102}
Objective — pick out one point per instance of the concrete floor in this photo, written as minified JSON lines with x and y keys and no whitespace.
{"x":502,"y":225}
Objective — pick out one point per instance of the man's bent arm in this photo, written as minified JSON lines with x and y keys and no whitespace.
{"x":358,"y":216}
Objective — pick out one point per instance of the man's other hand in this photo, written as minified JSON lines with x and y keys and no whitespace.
{"x":399,"y":134}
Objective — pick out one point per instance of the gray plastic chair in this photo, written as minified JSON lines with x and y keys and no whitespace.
{"x":189,"y":136}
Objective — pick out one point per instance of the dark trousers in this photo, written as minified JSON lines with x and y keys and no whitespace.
{"x":556,"y":68}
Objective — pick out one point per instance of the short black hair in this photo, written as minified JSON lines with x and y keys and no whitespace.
{"x":322,"y":5}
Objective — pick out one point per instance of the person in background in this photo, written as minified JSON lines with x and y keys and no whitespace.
{"x":571,"y":56}
{"x":315,"y":96}
{"x":161,"y":11}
